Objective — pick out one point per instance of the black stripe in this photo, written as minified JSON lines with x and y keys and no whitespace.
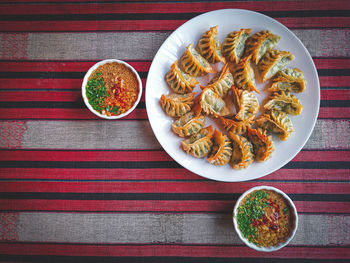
{"x":49,"y":75}
{"x":335,"y":103}
{"x":162,"y":196}
{"x":143,"y":74}
{"x":161,"y":16}
{"x":333,"y":72}
{"x":105,"y":259}
{"x":149,"y":165}
{"x":51,"y":104}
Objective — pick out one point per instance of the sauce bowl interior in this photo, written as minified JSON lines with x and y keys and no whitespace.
{"x":246,"y":241}
{"x":86,"y":78}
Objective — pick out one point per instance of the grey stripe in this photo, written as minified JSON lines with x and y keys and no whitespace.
{"x":326,"y":43}
{"x":144,"y":45}
{"x":89,"y":135}
{"x":167,"y":228}
{"x":94,"y":46}
{"x":328,"y":134}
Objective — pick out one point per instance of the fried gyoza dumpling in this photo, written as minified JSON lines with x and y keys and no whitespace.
{"x":242,"y":154}
{"x":259,"y":43}
{"x":288,"y":80}
{"x":236,"y":126}
{"x":179,"y":81}
{"x":243,"y":75}
{"x":222,"y":149}
{"x":276,"y":122}
{"x":246,"y":104}
{"x":233,"y":45}
{"x":222,"y":82}
{"x":272,"y":62}
{"x":194,"y":64}
{"x":199,"y":145}
{"x":209,"y":46}
{"x":263,"y":145}
{"x":176,"y":105}
{"x":212,"y":103}
{"x":189,"y":124}
{"x":286,"y":102}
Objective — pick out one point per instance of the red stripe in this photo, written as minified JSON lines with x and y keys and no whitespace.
{"x":70,"y":96}
{"x":144,"y":156}
{"x":334,"y":112}
{"x":95,"y":26}
{"x":332,"y":63}
{"x":169,"y":187}
{"x":335,"y":94}
{"x":172,"y":251}
{"x":41,"y":84}
{"x":150,"y":8}
{"x":314,"y":22}
{"x":54,"y":66}
{"x":143,"y":66}
{"x":322,"y":156}
{"x":151,"y":25}
{"x":45,"y":83}
{"x":66,"y":96}
{"x":160,"y":174}
{"x":80,"y":114}
{"x":74,"y":96}
{"x":85,"y":114}
{"x":100,"y":174}
{"x":154,"y":206}
{"x":338,"y":81}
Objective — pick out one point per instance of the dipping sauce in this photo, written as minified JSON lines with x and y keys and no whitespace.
{"x":265,"y":218}
{"x":112,"y":89}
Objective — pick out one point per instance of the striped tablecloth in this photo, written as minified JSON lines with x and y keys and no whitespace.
{"x":75,"y":188}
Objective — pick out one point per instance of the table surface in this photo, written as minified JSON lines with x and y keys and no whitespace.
{"x":78,"y":188}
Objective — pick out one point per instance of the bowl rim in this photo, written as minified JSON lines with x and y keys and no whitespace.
{"x":251,"y":245}
{"x":86,"y":77}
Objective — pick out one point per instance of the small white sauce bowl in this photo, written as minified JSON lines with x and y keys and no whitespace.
{"x":85,"y":80}
{"x":249,"y":244}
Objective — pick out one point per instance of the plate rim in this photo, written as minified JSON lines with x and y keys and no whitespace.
{"x":314,"y":69}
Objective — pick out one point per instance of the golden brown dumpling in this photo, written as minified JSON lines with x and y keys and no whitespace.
{"x":179,"y":81}
{"x":233,"y":45}
{"x":242,"y":154}
{"x":272,"y":62}
{"x":276,"y":122}
{"x":176,"y":105}
{"x":212,"y":103}
{"x":288,"y":80}
{"x":199,"y":145}
{"x":263,"y":145}
{"x":236,"y":126}
{"x":209,"y":46}
{"x":222,"y":149}
{"x":259,"y":43}
{"x":222,"y":82}
{"x":246,"y":104}
{"x":189,"y":124}
{"x":243,"y":75}
{"x":194,"y":64}
{"x":286,"y":102}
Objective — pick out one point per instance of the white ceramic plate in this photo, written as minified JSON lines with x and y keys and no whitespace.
{"x":231,"y":20}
